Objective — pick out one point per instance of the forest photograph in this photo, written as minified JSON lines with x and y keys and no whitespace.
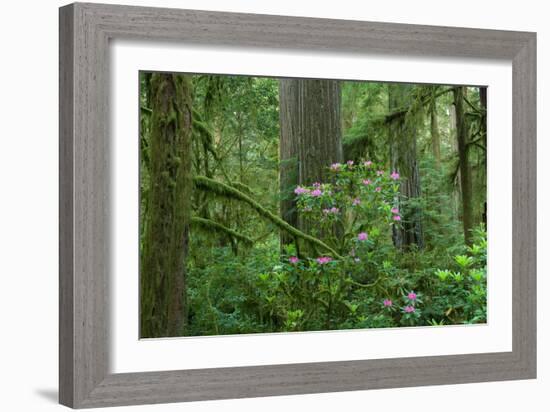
{"x":274,"y":205}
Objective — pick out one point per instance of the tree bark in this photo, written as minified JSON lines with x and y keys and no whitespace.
{"x":402,"y":137}
{"x":166,"y":235}
{"x":288,"y":154}
{"x":311,"y":137}
{"x":434,"y":128}
{"x":483,"y":101}
{"x":483,"y":97}
{"x":319,"y":129}
{"x":462,"y":137}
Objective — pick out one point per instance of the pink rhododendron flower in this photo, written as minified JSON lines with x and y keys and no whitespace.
{"x":387,"y":302}
{"x":409,"y":309}
{"x":379,"y":172}
{"x":394,"y":210}
{"x":300,"y":190}
{"x":316,"y":193}
{"x":362,"y":236}
{"x":356,"y":201}
{"x":323,"y":260}
{"x":335,"y":167}
{"x":367,"y":182}
{"x":332,"y":210}
{"x":368,"y":163}
{"x":397,"y":218}
{"x":378,"y":189}
{"x":316,"y":185}
{"x":350,"y":163}
{"x":293,"y":259}
{"x":412,"y":296}
{"x":394,"y":175}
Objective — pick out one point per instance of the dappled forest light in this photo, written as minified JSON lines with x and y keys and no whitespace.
{"x":282,"y":205}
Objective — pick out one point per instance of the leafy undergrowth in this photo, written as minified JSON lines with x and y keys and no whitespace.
{"x":369,"y":284}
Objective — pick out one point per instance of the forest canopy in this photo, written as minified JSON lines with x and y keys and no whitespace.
{"x":281,"y":205}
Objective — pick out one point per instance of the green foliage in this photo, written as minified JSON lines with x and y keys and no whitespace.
{"x":370,"y":285}
{"x":264,"y":293}
{"x":459,"y":294}
{"x":364,"y":109}
{"x":442,"y":230}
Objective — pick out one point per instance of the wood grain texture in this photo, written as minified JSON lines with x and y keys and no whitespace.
{"x":85,"y":30}
{"x":66,"y":183}
{"x":524,"y":183}
{"x":84,"y":161}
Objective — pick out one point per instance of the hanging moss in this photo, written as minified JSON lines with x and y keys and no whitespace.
{"x":205,"y":137}
{"x":417,"y":104}
{"x":202,"y":128}
{"x":222,"y":189}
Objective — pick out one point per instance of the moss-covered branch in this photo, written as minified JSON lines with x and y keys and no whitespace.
{"x":242,"y":187}
{"x":422,"y":101}
{"x":222,"y":189}
{"x":206,"y":137}
{"x":218,"y":227}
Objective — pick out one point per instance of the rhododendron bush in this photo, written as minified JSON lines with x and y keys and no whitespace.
{"x":358,"y":200}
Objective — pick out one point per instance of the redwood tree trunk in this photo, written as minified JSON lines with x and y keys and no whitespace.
{"x":319,"y":128}
{"x":166,"y":234}
{"x":462,"y":137}
{"x":311,"y":137}
{"x":288,"y":153}
{"x":402,"y":137}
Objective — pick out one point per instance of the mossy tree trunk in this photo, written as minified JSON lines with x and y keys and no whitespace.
{"x":403,"y":158}
{"x":462,"y":139}
{"x":311,"y":137}
{"x":144,"y":131}
{"x":166,"y":234}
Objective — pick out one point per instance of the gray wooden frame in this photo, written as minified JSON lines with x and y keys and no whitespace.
{"x":85,"y":31}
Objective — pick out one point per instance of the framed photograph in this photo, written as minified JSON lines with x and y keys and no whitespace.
{"x":256,"y":205}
